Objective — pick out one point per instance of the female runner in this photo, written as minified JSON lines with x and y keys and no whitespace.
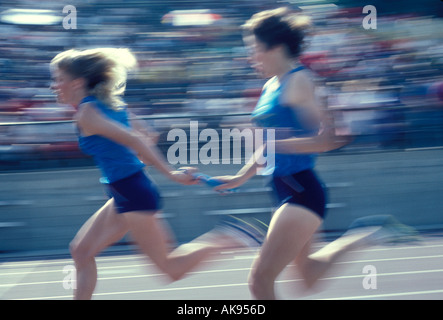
{"x":92,"y":81}
{"x":288,"y":105}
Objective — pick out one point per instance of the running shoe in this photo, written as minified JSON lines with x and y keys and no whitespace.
{"x":385,"y":230}
{"x":250,"y":232}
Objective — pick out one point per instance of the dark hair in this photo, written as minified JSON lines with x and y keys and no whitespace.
{"x":279,"y":27}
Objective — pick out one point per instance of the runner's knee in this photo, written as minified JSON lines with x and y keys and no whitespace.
{"x":80,"y":254}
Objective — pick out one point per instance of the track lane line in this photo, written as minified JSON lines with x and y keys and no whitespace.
{"x":237,"y":284}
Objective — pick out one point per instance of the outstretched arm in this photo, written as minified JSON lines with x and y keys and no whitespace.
{"x":92,"y":122}
{"x":247,"y":172}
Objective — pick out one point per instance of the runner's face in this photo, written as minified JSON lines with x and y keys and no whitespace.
{"x":262,"y":58}
{"x":62,"y":86}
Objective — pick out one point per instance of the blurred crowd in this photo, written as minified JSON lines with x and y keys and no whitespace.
{"x":383,"y":85}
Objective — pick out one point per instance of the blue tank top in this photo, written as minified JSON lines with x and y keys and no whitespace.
{"x":270,"y":113}
{"x":114,"y":160}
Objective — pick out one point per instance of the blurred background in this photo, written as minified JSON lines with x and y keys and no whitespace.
{"x":385,"y":84}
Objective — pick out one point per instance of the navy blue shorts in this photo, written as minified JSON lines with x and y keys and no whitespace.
{"x":135,"y":193}
{"x":302,"y":188}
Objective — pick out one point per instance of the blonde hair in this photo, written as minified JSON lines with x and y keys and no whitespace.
{"x":104,"y":69}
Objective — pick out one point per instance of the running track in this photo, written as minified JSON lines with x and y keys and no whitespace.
{"x":405,"y":271}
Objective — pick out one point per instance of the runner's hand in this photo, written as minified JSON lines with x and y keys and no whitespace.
{"x":230,"y":182}
{"x":184,"y":175}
